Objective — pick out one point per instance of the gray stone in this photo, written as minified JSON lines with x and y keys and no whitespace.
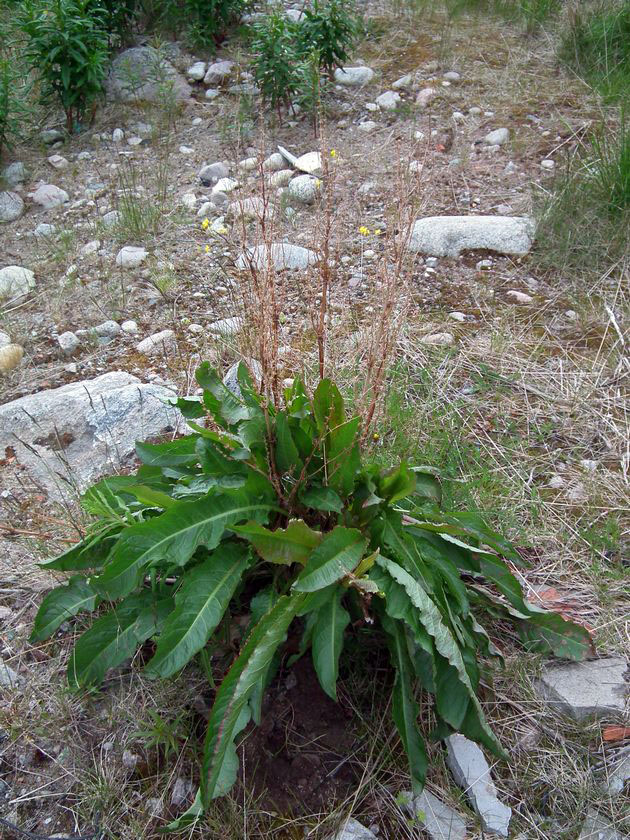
{"x":142,"y":74}
{"x":213,"y":172}
{"x":230,"y":380}
{"x":246,"y":88}
{"x":249,"y":209}
{"x":218,"y":73}
{"x":279,"y":179}
{"x":354,"y":76}
{"x":71,"y":436}
{"x":118,"y":135}
{"x":44,"y":230}
{"x":295,"y":15}
{"x":282,"y":256}
{"x":595,"y":827}
{"x":107,"y":331}
{"x":11,"y":206}
{"x":49,"y":196}
{"x":51,"y":135}
{"x":304,"y":189}
{"x":448,"y":236}
{"x":212,"y":93}
{"x":182,"y":790}
{"x":452,"y":76}
{"x":498,"y":137}
{"x":129,"y":760}
{"x":226,"y":327}
{"x":197,"y":71}
{"x":58,"y":162}
{"x":129,"y":327}
{"x":68,"y":342}
{"x":110,"y":219}
{"x":583,"y":689}
{"x":353,"y":830}
{"x":16,"y":281}
{"x":8,"y":677}
{"x":472,"y":773}
{"x":131,"y":256}
{"x":5,"y":339}
{"x":438,"y":820}
{"x":310,"y":163}
{"x":274,"y":163}
{"x":425,"y":96}
{"x":403,"y":83}
{"x":617,"y":774}
{"x":160,"y":342}
{"x":519,"y":297}
{"x":441,"y":339}
{"x":368,"y":126}
{"x":14,"y":173}
{"x":389,"y":100}
{"x":225,"y":185}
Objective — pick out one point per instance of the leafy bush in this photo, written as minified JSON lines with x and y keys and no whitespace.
{"x":207,"y":22}
{"x":14,"y":105}
{"x":271,"y":513}
{"x":277,"y":62}
{"x":67,"y":47}
{"x":117,"y":16}
{"x":330,"y":30}
{"x":597,"y":46}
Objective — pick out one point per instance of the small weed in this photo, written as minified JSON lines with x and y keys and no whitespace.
{"x":162,"y":734}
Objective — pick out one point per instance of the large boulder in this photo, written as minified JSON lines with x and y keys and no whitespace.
{"x":15,"y":281}
{"x":11,"y":206}
{"x":142,"y":74}
{"x":448,"y":236}
{"x":69,"y":437}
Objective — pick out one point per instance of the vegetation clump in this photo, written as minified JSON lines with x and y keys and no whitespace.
{"x":272,"y":514}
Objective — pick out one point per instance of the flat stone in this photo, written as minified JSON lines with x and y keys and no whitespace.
{"x":354,"y":76}
{"x":368,"y":126}
{"x":595,"y":687}
{"x":131,"y":256}
{"x":218,"y":72}
{"x":439,"y":820}
{"x":389,"y":100}
{"x":353,"y":830}
{"x":311,"y":163}
{"x":15,"y":281}
{"x":498,"y":137}
{"x":304,"y":189}
{"x":160,"y":342}
{"x":595,"y":827}
{"x":97,"y":423}
{"x":142,"y":74}
{"x":181,"y":791}
{"x":225,"y":185}
{"x":213,"y":172}
{"x":49,"y":196}
{"x":226,"y":327}
{"x":448,"y":236}
{"x":617,"y":775}
{"x":519,"y":297}
{"x":43,"y":229}
{"x":441,"y":339}
{"x":472,"y":773}
{"x":403,"y":83}
{"x":282,"y":255}
{"x":58,"y":162}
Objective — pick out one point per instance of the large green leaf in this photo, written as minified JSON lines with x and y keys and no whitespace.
{"x":115,"y":636}
{"x":285,"y":546}
{"x":321,"y":498}
{"x":328,"y":406}
{"x":404,"y":707}
{"x":238,"y":685}
{"x":337,"y":554}
{"x":227,"y":409}
{"x":177,"y":453}
{"x":343,"y":457}
{"x":61,"y":604}
{"x":90,"y":553}
{"x":199,"y":607}
{"x":286,"y":453}
{"x":397,"y":484}
{"x":175,"y":535}
{"x":444,"y":641}
{"x":327,"y":641}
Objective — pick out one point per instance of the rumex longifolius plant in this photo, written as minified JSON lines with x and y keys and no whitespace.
{"x":279,"y":502}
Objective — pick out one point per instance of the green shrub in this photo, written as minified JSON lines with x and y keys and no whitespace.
{"x":15,"y":111}
{"x":67,"y":47}
{"x":597,"y":46}
{"x":206,"y":22}
{"x":592,"y":195}
{"x":117,"y":16}
{"x":328,"y":29}
{"x":272,"y":514}
{"x":277,"y":59}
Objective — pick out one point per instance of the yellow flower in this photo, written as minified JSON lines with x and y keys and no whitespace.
{"x":207,"y":249}
{"x":377,"y":232}
{"x":318,"y":183}
{"x":333,"y":153}
{"x":364,"y":231}
{"x":221,"y":230}
{"x":205,"y":224}
{"x":376,"y":436}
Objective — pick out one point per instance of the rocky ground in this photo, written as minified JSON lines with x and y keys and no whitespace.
{"x":113,"y":286}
